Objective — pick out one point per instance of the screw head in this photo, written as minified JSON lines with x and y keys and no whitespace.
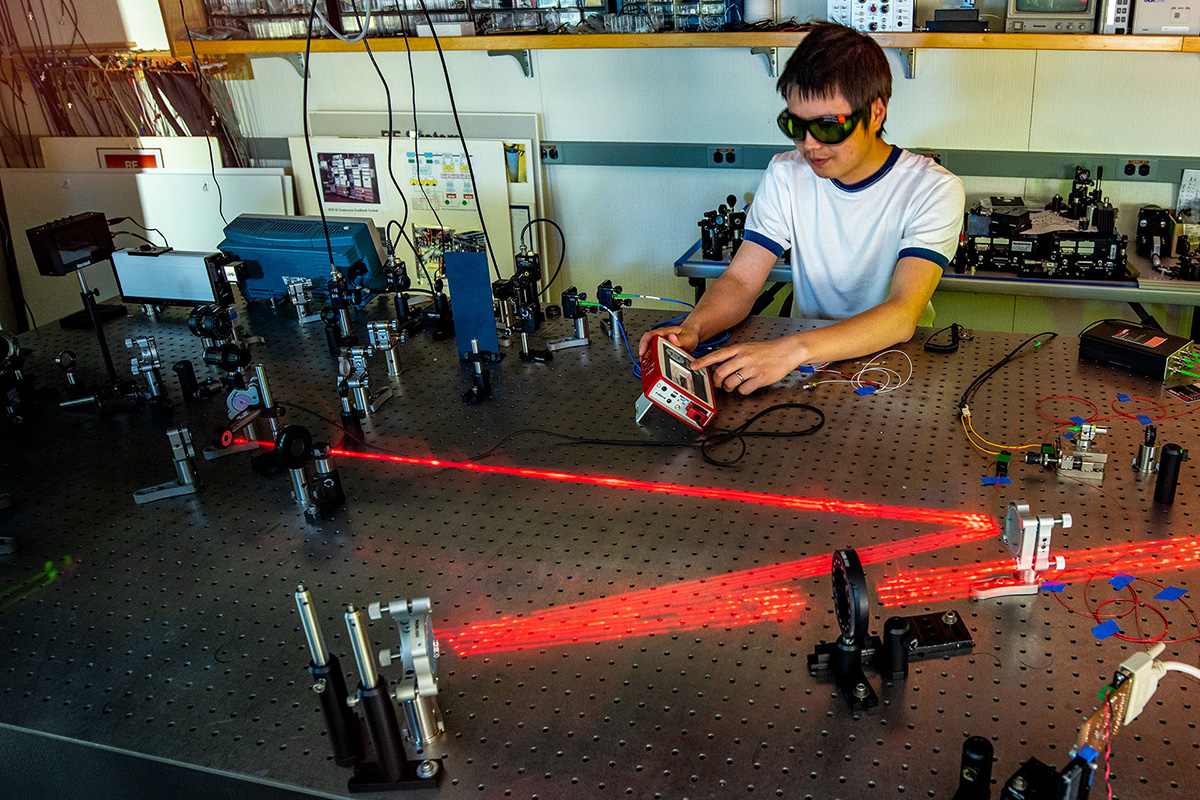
{"x":427,"y":769}
{"x":860,"y":690}
{"x":319,"y":686}
{"x":950,"y":618}
{"x":1019,"y":784}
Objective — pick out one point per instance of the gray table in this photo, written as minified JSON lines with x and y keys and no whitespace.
{"x":166,"y":659}
{"x":1149,"y":287}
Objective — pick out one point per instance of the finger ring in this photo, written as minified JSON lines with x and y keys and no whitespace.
{"x":740,"y":378}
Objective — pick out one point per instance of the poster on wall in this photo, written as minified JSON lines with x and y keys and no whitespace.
{"x":442,"y":180}
{"x":349,"y":179}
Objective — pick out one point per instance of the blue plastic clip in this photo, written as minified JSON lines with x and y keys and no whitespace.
{"x":1124,"y":398}
{"x":865,"y":390}
{"x":1170,"y":593}
{"x":1106,"y":629}
{"x":1121,"y":580}
{"x":1054,"y":587}
{"x":1078,"y":420}
{"x":1142,"y":418}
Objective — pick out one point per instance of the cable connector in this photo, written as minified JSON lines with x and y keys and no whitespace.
{"x":1145,"y":673}
{"x":965,"y":412}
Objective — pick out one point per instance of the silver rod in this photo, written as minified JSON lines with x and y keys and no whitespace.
{"x":267,"y":400}
{"x":367,"y":675}
{"x":312,"y":628}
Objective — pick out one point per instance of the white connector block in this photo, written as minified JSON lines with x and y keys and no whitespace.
{"x":1144,"y":673}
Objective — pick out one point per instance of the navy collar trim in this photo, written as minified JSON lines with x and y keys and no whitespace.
{"x":892,"y":158}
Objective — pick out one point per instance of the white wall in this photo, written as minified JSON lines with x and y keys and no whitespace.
{"x":630,"y":224}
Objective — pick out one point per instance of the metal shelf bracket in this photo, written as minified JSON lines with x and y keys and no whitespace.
{"x":909,"y":56}
{"x":522,"y":57}
{"x":772,"y":55}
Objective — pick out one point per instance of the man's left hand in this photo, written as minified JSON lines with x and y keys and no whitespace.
{"x":742,"y":368}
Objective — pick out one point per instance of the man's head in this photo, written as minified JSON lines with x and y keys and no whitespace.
{"x":837,"y":84}
{"x":832,"y":60}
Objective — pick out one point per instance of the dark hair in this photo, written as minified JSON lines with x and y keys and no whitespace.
{"x":833,"y":59}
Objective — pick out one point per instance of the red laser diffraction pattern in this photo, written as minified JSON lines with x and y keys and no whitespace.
{"x":954,"y":583}
{"x":734,"y":599}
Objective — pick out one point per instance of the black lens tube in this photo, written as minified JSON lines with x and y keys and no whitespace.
{"x":975,"y":772}
{"x":1168,"y":473}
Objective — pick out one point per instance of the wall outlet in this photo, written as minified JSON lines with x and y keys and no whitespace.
{"x":724,"y":157}
{"x":1138,"y":167}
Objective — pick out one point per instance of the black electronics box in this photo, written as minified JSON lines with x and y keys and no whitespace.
{"x":63,"y":246}
{"x":956,"y":20}
{"x":1133,"y":347}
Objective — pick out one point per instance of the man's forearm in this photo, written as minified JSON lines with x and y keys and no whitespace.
{"x":873,"y":330}
{"x":731,"y":296}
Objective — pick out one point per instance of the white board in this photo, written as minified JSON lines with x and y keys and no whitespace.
{"x":119,"y":152}
{"x":182,"y":204}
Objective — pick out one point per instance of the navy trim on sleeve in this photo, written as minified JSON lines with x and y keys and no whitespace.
{"x":925,"y":253}
{"x":892,"y":158}
{"x":763,"y":241}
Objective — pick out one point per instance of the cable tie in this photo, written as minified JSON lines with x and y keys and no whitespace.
{"x":865,"y":390}
{"x":1121,"y":580}
{"x":1106,"y":629}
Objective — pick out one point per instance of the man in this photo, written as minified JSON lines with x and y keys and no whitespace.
{"x":870,"y":226}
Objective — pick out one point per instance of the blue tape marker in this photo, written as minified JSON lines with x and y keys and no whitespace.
{"x":1054,"y":587}
{"x":865,"y":390}
{"x":1088,"y":753}
{"x":1170,"y":593}
{"x":1078,"y":420}
{"x":1005,"y":481}
{"x":1124,"y":398}
{"x":1121,"y":580}
{"x":1105,"y":629}
{"x":1069,"y":435}
{"x":1142,"y":418}
{"x":806,"y":370}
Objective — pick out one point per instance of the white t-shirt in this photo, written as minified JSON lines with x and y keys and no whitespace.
{"x":846,"y":239}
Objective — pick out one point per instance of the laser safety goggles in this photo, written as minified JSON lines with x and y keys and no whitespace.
{"x":826,"y":130}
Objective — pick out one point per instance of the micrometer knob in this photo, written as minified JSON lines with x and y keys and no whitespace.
{"x":374,"y":611}
{"x":1065,"y":521}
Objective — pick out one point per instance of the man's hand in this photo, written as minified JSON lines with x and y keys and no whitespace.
{"x":742,"y":368}
{"x":678,"y":335}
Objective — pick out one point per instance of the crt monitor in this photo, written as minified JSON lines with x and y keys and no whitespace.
{"x":275,"y":248}
{"x":1051,"y":16}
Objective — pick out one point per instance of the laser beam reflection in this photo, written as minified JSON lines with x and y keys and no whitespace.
{"x":737,"y":598}
{"x":855,"y":509}
{"x":953,"y":583}
{"x":720,"y":601}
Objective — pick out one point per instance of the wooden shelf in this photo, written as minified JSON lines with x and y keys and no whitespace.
{"x":939,"y":41}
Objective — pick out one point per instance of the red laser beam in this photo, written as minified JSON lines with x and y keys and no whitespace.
{"x":705,"y":602}
{"x":954,"y":583}
{"x":734,"y":599}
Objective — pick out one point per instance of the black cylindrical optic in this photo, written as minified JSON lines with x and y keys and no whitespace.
{"x":187,"y":379}
{"x":896,"y":637}
{"x":1168,"y":473}
{"x":975,"y":773}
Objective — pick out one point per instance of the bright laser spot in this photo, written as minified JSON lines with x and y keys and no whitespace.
{"x":952,"y":583}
